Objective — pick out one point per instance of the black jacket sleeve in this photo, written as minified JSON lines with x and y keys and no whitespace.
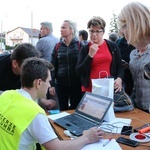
{"x":117,"y":69}
{"x":83,"y":66}
{"x":84,"y":61}
{"x":55,"y":64}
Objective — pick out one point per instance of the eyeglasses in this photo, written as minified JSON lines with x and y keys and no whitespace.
{"x":96,"y":31}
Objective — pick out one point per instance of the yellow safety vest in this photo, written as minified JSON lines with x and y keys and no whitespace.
{"x":16,"y":113}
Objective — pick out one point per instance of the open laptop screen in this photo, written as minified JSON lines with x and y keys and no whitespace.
{"x":94,"y":106}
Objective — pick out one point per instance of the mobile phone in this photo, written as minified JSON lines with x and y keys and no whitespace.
{"x":126,"y":130}
{"x":124,"y":62}
{"x":127,"y":141}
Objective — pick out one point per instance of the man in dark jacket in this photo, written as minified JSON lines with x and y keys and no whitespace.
{"x":10,"y":69}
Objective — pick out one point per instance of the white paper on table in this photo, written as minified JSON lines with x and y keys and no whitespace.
{"x":57,"y":116}
{"x":112,"y":145}
{"x":115,"y":126}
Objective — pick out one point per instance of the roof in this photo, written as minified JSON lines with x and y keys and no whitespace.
{"x":35,"y":32}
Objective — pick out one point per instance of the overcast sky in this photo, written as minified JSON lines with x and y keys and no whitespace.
{"x":17,"y":13}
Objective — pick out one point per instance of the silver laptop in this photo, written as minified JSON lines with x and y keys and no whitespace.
{"x":89,"y":113}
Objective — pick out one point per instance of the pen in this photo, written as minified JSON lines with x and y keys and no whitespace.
{"x":107,"y":142}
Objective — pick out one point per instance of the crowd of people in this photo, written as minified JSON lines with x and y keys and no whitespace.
{"x":56,"y":73}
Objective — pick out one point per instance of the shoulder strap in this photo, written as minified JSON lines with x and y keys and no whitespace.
{"x":57,"y":47}
{"x":79,"y":45}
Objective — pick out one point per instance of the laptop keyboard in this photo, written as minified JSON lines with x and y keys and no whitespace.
{"x":80,"y":122}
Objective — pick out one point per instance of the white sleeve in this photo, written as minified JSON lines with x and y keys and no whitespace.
{"x":41,"y":129}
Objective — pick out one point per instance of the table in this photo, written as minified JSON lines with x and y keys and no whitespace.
{"x":138,"y":117}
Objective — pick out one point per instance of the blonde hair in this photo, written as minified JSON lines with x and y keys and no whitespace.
{"x":136,"y":18}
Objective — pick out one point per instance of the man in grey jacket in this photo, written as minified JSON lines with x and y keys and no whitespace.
{"x":47,"y":41}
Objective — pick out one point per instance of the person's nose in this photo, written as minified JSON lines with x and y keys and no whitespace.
{"x":49,"y":85}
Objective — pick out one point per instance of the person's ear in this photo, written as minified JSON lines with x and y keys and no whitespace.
{"x":38,"y":83}
{"x":15,"y":67}
{"x":14,"y":64}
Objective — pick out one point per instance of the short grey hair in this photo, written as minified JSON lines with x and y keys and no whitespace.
{"x":48,"y":25}
{"x":113,"y":37}
{"x":73,"y":27}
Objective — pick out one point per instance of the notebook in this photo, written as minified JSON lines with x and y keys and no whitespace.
{"x":90,"y":112}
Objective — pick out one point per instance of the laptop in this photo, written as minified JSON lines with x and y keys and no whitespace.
{"x":90,"y":112}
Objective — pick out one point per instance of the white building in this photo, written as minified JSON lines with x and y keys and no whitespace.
{"x":21,"y":35}
{"x":2,"y":46}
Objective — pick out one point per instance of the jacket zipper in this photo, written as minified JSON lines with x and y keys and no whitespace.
{"x":68,"y":67}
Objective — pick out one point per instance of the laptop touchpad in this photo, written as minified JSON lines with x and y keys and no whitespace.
{"x":67,"y":124}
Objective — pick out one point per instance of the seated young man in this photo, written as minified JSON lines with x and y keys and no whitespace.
{"x":23,"y":122}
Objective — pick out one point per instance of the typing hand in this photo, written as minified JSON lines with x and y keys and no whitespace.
{"x":93,"y":134}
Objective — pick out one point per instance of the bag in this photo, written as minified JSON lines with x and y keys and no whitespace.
{"x":122,"y":102}
{"x":103,"y":86}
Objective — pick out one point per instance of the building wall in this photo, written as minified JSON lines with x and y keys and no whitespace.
{"x":18,"y":36}
{"x":33,"y":41}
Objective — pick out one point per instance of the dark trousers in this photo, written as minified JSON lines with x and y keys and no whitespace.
{"x":128,"y":81}
{"x":68,"y":95}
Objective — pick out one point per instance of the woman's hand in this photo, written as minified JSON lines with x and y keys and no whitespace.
{"x":93,"y":50}
{"x":118,"y":84}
